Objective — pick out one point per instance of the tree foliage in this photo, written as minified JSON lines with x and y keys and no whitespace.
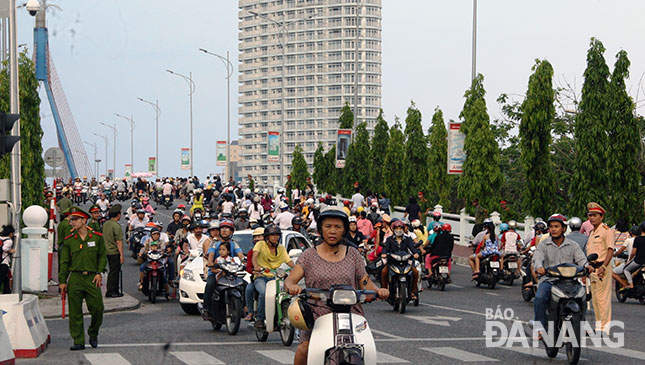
{"x":538,"y":113}
{"x":320,"y":173}
{"x":482,"y":176}
{"x":334,"y":180}
{"x":623,"y":148}
{"x":346,"y":120}
{"x":438,"y":179}
{"x":395,"y":158}
{"x":299,"y":170}
{"x":358,"y":162}
{"x":32,"y":164}
{"x":590,"y":177}
{"x":415,"y":172}
{"x":378,"y":149}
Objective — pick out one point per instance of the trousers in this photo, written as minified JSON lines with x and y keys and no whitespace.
{"x":80,"y":287}
{"x":542,"y":297}
{"x":114,"y":263}
{"x":601,"y":300}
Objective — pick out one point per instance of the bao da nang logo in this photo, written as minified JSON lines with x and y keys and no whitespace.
{"x":504,"y":329}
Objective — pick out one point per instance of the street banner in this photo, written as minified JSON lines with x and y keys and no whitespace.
{"x":128,"y":171}
{"x":273,"y":153}
{"x":221,"y":153}
{"x":111,"y":174}
{"x":185,"y":159}
{"x":152,"y":165}
{"x":456,"y":153}
{"x":344,"y":138}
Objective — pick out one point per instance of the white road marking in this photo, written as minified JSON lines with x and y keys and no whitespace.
{"x":504,"y":286}
{"x":453,"y":309}
{"x":385,"y":334}
{"x":436,"y":320}
{"x":382,"y":358}
{"x":281,"y":356}
{"x":537,"y":352}
{"x":457,"y":354}
{"x":196,"y":358}
{"x":175,"y":344}
{"x":455,"y":286}
{"x":620,"y":351}
{"x":493,"y":294}
{"x":430,"y":339}
{"x":112,"y":358}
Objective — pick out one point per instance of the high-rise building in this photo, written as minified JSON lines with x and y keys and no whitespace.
{"x":319,"y":66}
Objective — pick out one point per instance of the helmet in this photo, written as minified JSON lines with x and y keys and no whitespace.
{"x":177,"y":211}
{"x":272,"y":229}
{"x":227,"y":223}
{"x":134,"y":202}
{"x":512,"y":224}
{"x":242,"y":211}
{"x":258,"y":232}
{"x":575,"y":223}
{"x":159,"y":224}
{"x":436,"y":215}
{"x":138,"y":206}
{"x":141,"y":211}
{"x":154,"y":230}
{"x":397,"y":224}
{"x":181,"y":206}
{"x":213,"y":225}
{"x":332,"y":212}
{"x":557,"y":217}
{"x":352,"y":219}
{"x":540,"y":226}
{"x":634,"y":231}
{"x":436,"y":227}
{"x":489,"y":223}
{"x":280,"y":190}
{"x":300,"y":315}
{"x":185,"y":218}
{"x":284,"y":206}
{"x":503,"y":227}
{"x":360,"y":209}
{"x":446,"y":227}
{"x":296,"y":221}
{"x":256,"y":199}
{"x":416,"y":223}
{"x":203,"y":224}
{"x":346,"y":203}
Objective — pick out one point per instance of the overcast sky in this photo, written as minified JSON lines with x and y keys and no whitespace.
{"x":110,"y":52}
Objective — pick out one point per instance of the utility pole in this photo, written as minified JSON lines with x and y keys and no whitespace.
{"x":474,"y":51}
{"x":105,"y":139}
{"x":191,"y":90}
{"x":96,"y":161}
{"x":131,"y":120}
{"x":358,"y":28}
{"x":155,"y":106}
{"x":114,"y":131}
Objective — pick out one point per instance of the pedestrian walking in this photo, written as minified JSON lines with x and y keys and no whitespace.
{"x":82,"y":262}
{"x":600,"y":242}
{"x":6,"y":240}
{"x":113,"y":238}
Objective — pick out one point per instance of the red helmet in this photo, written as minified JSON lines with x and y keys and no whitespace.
{"x":227,"y":223}
{"x":436,"y":215}
{"x":346,"y":202}
{"x":181,"y":206}
{"x":397,"y":224}
{"x":446,"y":227}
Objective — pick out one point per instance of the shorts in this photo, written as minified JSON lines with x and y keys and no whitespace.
{"x":489,"y":252}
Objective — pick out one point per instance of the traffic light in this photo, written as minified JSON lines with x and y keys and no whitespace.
{"x":6,"y":124}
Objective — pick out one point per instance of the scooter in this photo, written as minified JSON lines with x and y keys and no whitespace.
{"x":340,"y":337}
{"x":84,"y":194}
{"x":440,"y":274}
{"x":276,"y":304}
{"x":489,"y":271}
{"x":637,"y":292}
{"x":154,"y":276}
{"x":136,"y":238}
{"x":167,"y":201}
{"x":226,"y":303}
{"x":509,"y":271}
{"x":399,"y":266}
{"x":528,"y":291}
{"x":78,"y":196}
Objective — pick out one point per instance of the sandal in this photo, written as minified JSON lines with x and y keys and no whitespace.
{"x":249,"y":318}
{"x":140,"y":286}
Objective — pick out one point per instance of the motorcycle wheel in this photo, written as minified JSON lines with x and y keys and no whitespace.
{"x":552,"y":352}
{"x":233,"y":315}
{"x":641,"y":300}
{"x":403,"y":295}
{"x":620,"y":295}
{"x":510,"y":280}
{"x":442,"y":286}
{"x":154,"y":283}
{"x":573,"y":352}
{"x":287,"y":331}
{"x":261,"y":336}
{"x":492,"y":282}
{"x":216,"y":326}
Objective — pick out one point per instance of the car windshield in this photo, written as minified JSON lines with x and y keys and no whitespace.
{"x":244,"y":240}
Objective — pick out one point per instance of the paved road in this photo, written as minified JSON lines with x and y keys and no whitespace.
{"x":447,"y":327}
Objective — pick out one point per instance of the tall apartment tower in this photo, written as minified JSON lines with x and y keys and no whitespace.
{"x":311,"y":83}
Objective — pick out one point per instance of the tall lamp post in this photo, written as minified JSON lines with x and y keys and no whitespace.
{"x":96,"y":164}
{"x":474,"y":51}
{"x":191,"y":90}
{"x":281,"y":39}
{"x":114,"y":131}
{"x":155,"y":106}
{"x":131,"y":120}
{"x":105,"y":139}
{"x":229,"y":73}
{"x":358,"y":6}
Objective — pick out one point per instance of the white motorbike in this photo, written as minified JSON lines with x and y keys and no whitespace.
{"x":341,"y":335}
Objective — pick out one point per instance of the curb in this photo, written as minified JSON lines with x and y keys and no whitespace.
{"x":126,"y":308}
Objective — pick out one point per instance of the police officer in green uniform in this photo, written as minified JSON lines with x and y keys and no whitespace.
{"x":83,"y":259}
{"x":63,"y":230}
{"x":95,"y":214}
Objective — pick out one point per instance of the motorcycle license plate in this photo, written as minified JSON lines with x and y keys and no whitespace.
{"x":494,"y":264}
{"x":512,"y":265}
{"x":443,"y":270}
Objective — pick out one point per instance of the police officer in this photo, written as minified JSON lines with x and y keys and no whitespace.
{"x":601,"y":242}
{"x":113,"y":238}
{"x":95,"y":215}
{"x":63,"y":230}
{"x":83,"y":259}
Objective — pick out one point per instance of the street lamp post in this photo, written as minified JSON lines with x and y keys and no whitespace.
{"x":358,"y":6}
{"x":157,"y":114}
{"x":131,"y":120}
{"x":229,"y":73}
{"x":281,"y":39}
{"x":105,"y":139}
{"x":114,"y":131}
{"x":474,"y":51}
{"x":191,"y":90}
{"x":96,"y":165}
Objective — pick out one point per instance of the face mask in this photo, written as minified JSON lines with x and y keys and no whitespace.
{"x":398,"y":232}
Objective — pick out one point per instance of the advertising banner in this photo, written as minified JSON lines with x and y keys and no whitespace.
{"x":185,"y":159}
{"x":152,"y":165}
{"x":111,"y":174}
{"x":273,"y":153}
{"x":221,"y":153}
{"x":456,"y":153}
{"x":344,"y":138}
{"x":128,"y":171}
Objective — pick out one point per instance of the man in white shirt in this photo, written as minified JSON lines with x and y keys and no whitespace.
{"x":357,"y":200}
{"x":103,"y":203}
{"x":140,"y":220}
{"x":228,"y":205}
{"x":283,"y":219}
{"x":195,"y":239}
{"x":167,"y":188}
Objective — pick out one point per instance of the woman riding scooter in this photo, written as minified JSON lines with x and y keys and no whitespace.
{"x":397,"y":243}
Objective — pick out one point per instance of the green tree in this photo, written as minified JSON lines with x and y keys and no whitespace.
{"x":623,"y":147}
{"x":393,"y":184}
{"x":538,"y":113}
{"x":333,"y":179}
{"x":299,"y":169}
{"x":590,"y":173}
{"x":32,"y":165}
{"x":377,"y":151}
{"x":415,"y":171}
{"x":320,"y":168}
{"x":357,"y":164}
{"x":438,"y":179}
{"x":482,"y":176}
{"x":346,"y":120}
{"x":513,"y":176}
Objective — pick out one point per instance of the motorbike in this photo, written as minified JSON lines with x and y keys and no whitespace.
{"x":154,"y":278}
{"x":276,"y":305}
{"x":104,"y":216}
{"x":340,"y":337}
{"x":108,"y":193}
{"x":399,"y":266}
{"x":121,"y":195}
{"x":637,"y":292}
{"x":136,"y":240}
{"x":489,"y":271}
{"x":528,"y":292}
{"x":94,"y":194}
{"x":440,"y":273}
{"x":567,"y":304}
{"x":167,"y":201}
{"x":78,"y":195}
{"x":509,"y":271}
{"x":84,"y":194}
{"x":226,"y":303}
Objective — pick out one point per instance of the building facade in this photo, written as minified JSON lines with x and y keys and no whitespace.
{"x":313,"y":80}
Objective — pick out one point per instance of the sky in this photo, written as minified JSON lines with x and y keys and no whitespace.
{"x":109,"y":52}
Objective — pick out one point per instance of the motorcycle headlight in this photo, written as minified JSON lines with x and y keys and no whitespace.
{"x":187,"y":274}
{"x":344,"y":297}
{"x":557,"y":292}
{"x":396,"y":257}
{"x":405,"y":257}
{"x":395,"y":269}
{"x":280,"y":273}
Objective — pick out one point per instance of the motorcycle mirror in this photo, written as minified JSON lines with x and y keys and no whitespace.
{"x":592,"y":257}
{"x":295,"y":252}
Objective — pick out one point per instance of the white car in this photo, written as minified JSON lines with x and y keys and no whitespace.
{"x":192,"y":281}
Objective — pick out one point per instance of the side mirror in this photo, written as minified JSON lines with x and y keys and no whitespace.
{"x":295,"y":252}
{"x":592,"y":257}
